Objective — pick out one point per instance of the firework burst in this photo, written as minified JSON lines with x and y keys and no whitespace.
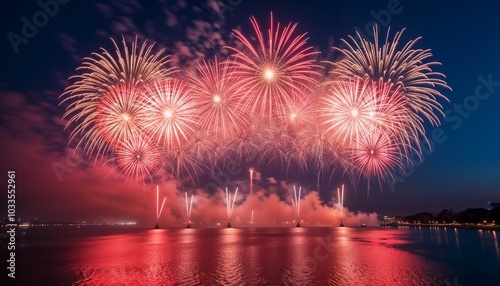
{"x":349,"y":110}
{"x":246,"y":144}
{"x":137,"y":157}
{"x":274,"y":146}
{"x":217,"y":92}
{"x":118,"y":115}
{"x":170,"y":113}
{"x":102,"y":74}
{"x":264,"y":105}
{"x":300,"y":112}
{"x":407,"y":69}
{"x":356,"y":108}
{"x":378,"y":155}
{"x":273,"y":68}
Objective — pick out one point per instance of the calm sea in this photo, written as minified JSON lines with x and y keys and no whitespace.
{"x":256,"y":256}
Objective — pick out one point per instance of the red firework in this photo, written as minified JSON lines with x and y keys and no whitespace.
{"x":170,"y":113}
{"x":378,"y":155}
{"x":300,"y":112}
{"x":407,"y":69}
{"x":118,"y":116}
{"x":264,"y":105}
{"x":353,"y":109}
{"x":349,"y":110}
{"x":134,"y":66}
{"x":218,"y":95}
{"x":137,"y":157}
{"x":273,"y":68}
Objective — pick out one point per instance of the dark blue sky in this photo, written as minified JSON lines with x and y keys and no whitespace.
{"x":463,"y":171}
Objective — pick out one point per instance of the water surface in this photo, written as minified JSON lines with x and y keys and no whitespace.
{"x":257,"y":256}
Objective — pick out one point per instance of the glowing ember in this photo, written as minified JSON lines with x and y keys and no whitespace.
{"x":269,"y":74}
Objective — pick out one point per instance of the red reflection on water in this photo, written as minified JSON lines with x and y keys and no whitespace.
{"x":123,"y":260}
{"x":350,"y":256}
{"x":228,"y":259}
{"x":299,"y":266}
{"x":189,"y":258}
{"x":270,"y":256}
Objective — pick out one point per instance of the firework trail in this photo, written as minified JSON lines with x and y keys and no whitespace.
{"x":340,"y":197}
{"x":273,"y":68}
{"x":230,"y":199}
{"x":159,"y":209}
{"x":296,"y":202}
{"x":189,"y":207}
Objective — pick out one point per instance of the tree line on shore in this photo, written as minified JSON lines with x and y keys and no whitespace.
{"x":470,"y":215}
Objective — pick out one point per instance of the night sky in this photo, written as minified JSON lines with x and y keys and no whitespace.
{"x":462,"y":171}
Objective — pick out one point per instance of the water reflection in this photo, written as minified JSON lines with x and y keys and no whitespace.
{"x":266,"y":256}
{"x":496,"y":243}
{"x":189,"y":271}
{"x":229,"y":269}
{"x":299,"y":267}
{"x":252,"y":258}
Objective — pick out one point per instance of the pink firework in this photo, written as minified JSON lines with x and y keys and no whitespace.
{"x":274,"y":146}
{"x":134,"y":65}
{"x":137,"y":157}
{"x":205,"y":149}
{"x":298,"y":154}
{"x":300,"y":112}
{"x":183,"y":162}
{"x":218,"y":95}
{"x":394,"y":117}
{"x":407,"y":69}
{"x":349,"y":110}
{"x":117,"y":116}
{"x":264,"y":105}
{"x":273,"y":67}
{"x":355,"y":108}
{"x":247,"y":143}
{"x":378,"y":155}
{"x":170,"y":115}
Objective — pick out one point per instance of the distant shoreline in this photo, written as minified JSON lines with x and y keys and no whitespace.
{"x":441,"y":225}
